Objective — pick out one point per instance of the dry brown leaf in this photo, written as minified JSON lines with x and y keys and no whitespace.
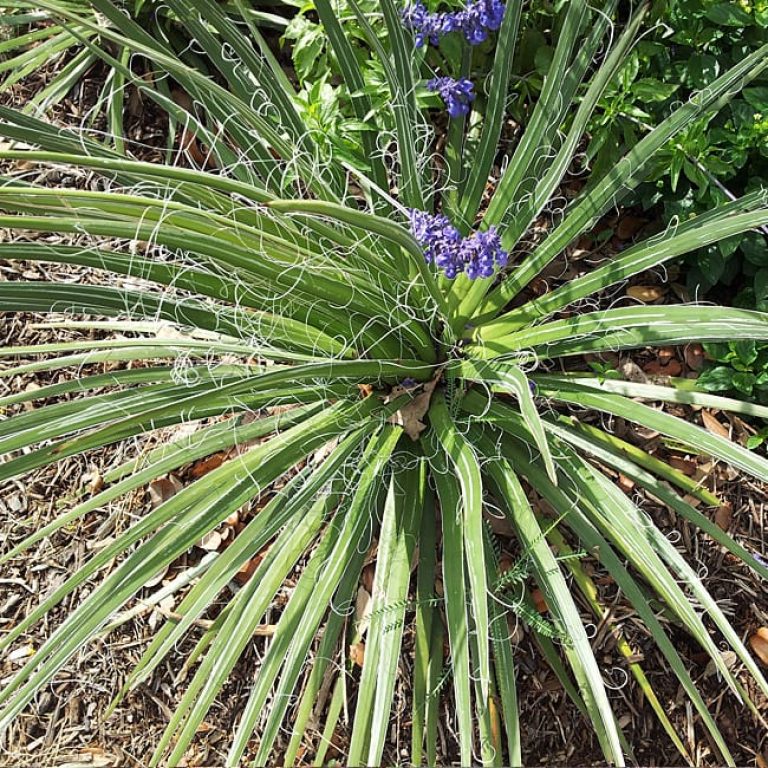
{"x":95,"y":481}
{"x":729,"y":658}
{"x":759,"y":644}
{"x":538,"y":601}
{"x":714,"y":426}
{"x":645,"y":293}
{"x":631,"y":371}
{"x":164,"y":607}
{"x":500,"y":524}
{"x":694,"y":356}
{"x":654,"y":368}
{"x":625,"y":483}
{"x":724,"y":516}
{"x":495,"y":724}
{"x":409,"y":417}
{"x":248,"y":569}
{"x":686,"y":466}
{"x":211,"y":542}
{"x":760,"y":761}
{"x":357,"y":654}
{"x":366,"y":577}
{"x":163,"y":488}
{"x":157,"y":578}
{"x":363,"y":610}
{"x":629,"y":226}
{"x":661,"y":367}
{"x":90,"y":757}
{"x":204,"y":466}
{"x":272,"y":410}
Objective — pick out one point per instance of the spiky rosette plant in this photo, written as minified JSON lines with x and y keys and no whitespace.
{"x":418,"y":388}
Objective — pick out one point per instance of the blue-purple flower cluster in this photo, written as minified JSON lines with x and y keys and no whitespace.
{"x":457,"y":94}
{"x":476,"y":20}
{"x":477,"y":255}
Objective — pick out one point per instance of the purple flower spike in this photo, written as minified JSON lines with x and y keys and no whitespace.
{"x":425,"y":25}
{"x":440,"y":240}
{"x":483,"y":253}
{"x":457,"y":94}
{"x":478,"y":255}
{"x":475,"y":21}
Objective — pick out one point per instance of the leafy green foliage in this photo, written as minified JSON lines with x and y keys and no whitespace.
{"x":714,"y":158}
{"x":365,"y":403}
{"x":740,"y":367}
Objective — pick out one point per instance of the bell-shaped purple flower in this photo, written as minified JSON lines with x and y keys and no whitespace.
{"x":478,"y":255}
{"x":457,"y":94}
{"x":475,"y":21}
{"x":482,"y":253}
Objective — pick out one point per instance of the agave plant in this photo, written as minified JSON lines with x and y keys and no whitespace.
{"x":415,"y":374}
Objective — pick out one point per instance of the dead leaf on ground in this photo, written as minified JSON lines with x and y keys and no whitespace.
{"x":248,"y":569}
{"x":91,"y":757}
{"x":357,"y":654}
{"x":686,"y":466}
{"x":694,"y":356}
{"x":500,"y":525}
{"x":325,"y":450}
{"x":629,"y":226}
{"x":631,"y":371}
{"x":759,"y":644}
{"x":729,"y":659}
{"x":204,"y":466}
{"x":366,"y":577}
{"x":410,"y":416}
{"x":272,"y":410}
{"x":157,"y":578}
{"x":363,"y":610}
{"x":164,"y":607}
{"x":163,"y":488}
{"x":95,"y":481}
{"x":211,"y":542}
{"x":714,"y":426}
{"x":538,"y":601}
{"x":724,"y":516}
{"x":645,"y":293}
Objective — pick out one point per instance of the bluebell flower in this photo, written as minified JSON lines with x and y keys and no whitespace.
{"x":482,"y":253}
{"x":475,"y":21}
{"x":440,"y":240}
{"x":478,"y":254}
{"x":457,"y":94}
{"x":425,"y":25}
